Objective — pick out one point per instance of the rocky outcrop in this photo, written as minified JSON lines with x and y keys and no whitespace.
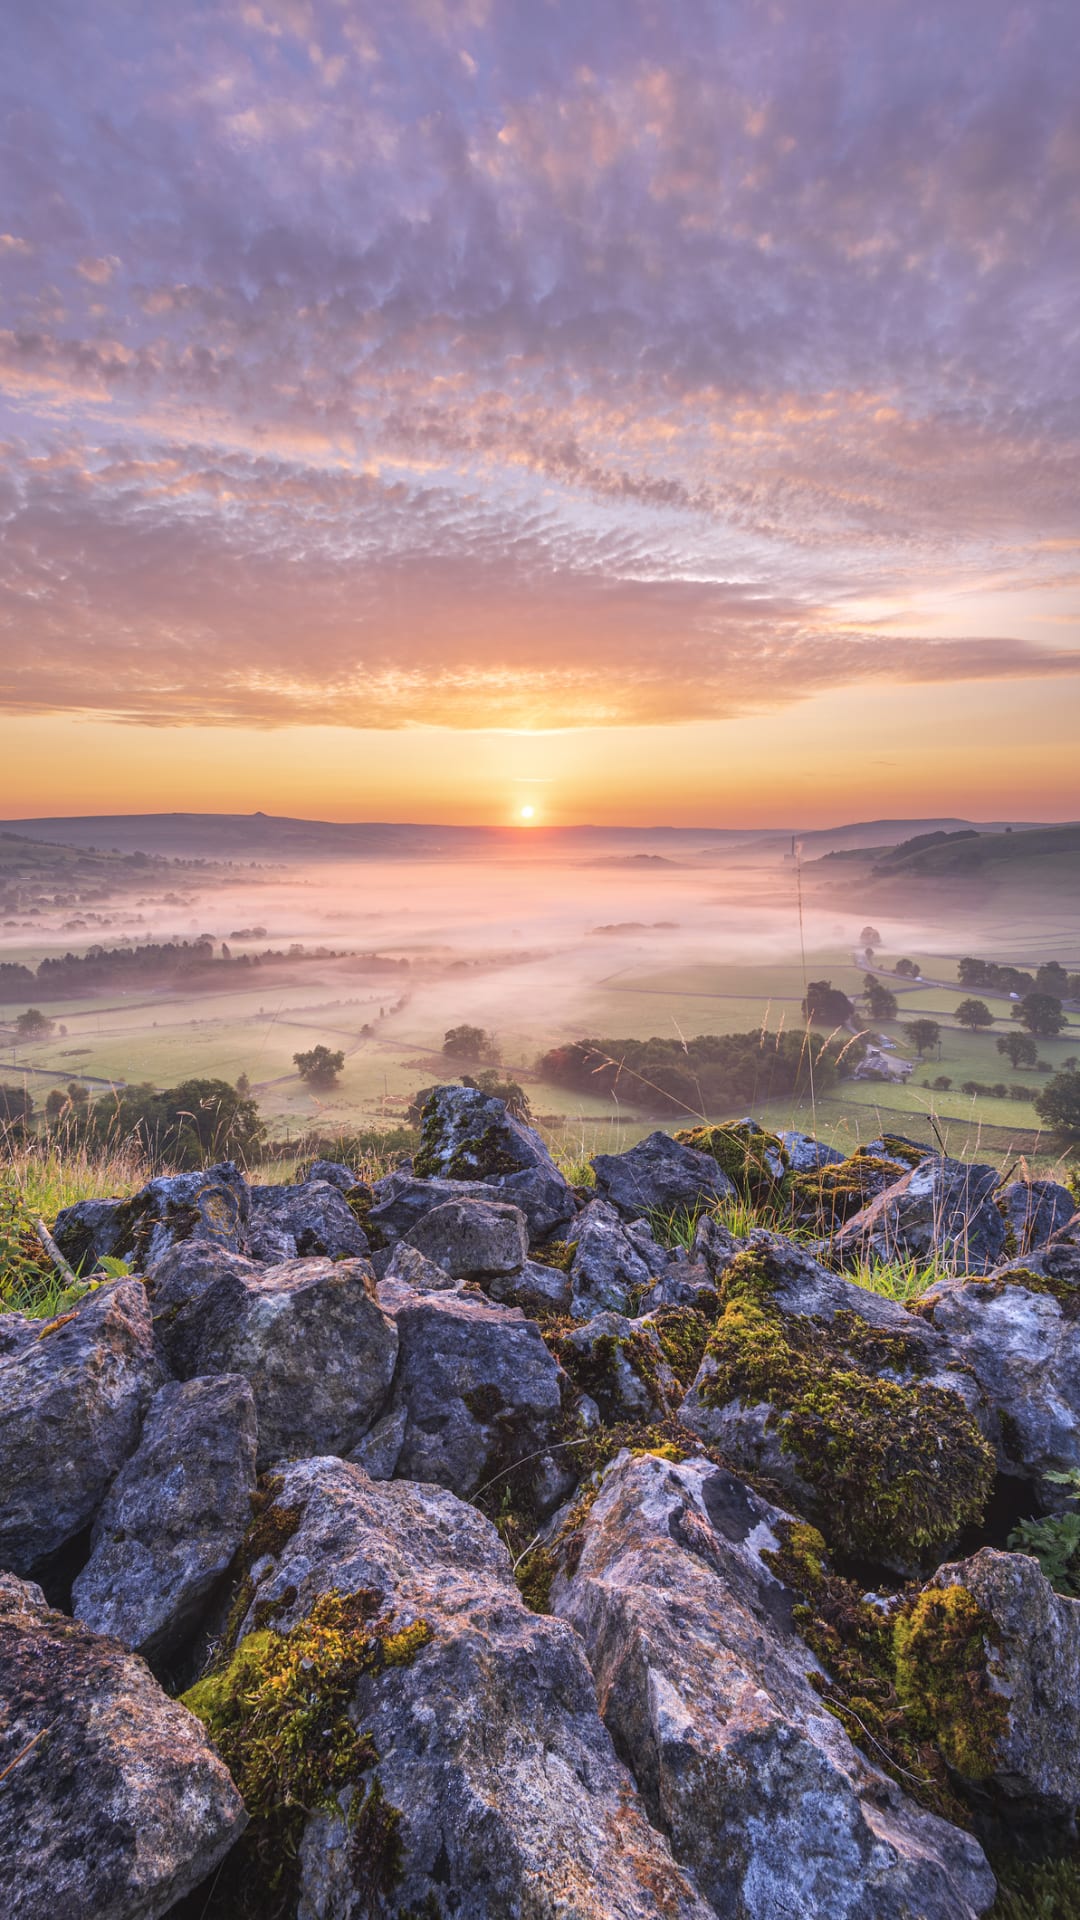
{"x":287,"y":1223}
{"x":173,"y":1518}
{"x":1035,"y":1210}
{"x":1018,"y":1331}
{"x":620,"y":1364}
{"x":310,"y":1336}
{"x":807,"y":1155}
{"x":210,"y":1205}
{"x":703,"y":1681}
{"x":990,"y":1665}
{"x":73,"y":1392}
{"x":611,"y":1262}
{"x":660,"y":1176}
{"x":836,"y":1396}
{"x":468,"y":1136}
{"x":480,"y":1779}
{"x":113,"y":1800}
{"x":942,"y":1206}
{"x":475,"y":1390}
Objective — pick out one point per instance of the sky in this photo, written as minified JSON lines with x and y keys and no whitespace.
{"x":632,"y":410}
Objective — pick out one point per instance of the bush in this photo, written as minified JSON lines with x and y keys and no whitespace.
{"x":1059,"y":1101}
{"x":320,"y":1067}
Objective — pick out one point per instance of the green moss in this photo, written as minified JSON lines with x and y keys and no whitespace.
{"x":271,"y":1529}
{"x":360,"y":1200}
{"x":1065,"y":1292}
{"x":898,"y":1467}
{"x":479,"y":1157}
{"x":485,"y":1403}
{"x":558,"y":1254}
{"x":278,"y":1710}
{"x":683,"y":1333}
{"x":828,"y":1196}
{"x":1037,"y":1890}
{"x":944,"y":1644}
{"x":743,"y":1153}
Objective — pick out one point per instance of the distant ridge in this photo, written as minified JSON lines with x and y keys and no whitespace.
{"x":262,"y":836}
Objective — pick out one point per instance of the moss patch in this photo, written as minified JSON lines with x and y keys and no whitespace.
{"x":558,"y":1254}
{"x":749,"y":1156}
{"x":899,"y":1467}
{"x":278,"y":1712}
{"x":943,"y":1646}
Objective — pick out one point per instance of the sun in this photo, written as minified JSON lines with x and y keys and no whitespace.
{"x":526,"y":813}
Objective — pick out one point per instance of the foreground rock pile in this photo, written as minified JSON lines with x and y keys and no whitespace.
{"x":475,"y":1545}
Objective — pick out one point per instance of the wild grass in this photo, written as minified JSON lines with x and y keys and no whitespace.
{"x":55,"y":1170}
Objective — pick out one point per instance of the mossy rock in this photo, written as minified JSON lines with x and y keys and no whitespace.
{"x":278,"y":1710}
{"x":896,"y":1465}
{"x":755,"y":1161}
{"x":944,"y":1644}
{"x":828,"y":1197}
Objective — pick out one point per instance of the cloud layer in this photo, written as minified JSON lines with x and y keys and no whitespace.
{"x":481,"y":362}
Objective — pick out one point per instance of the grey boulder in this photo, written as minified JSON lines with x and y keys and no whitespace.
{"x":1012,"y":1719}
{"x":703,"y":1682}
{"x":475,"y":1390}
{"x":941,"y":1206}
{"x":287,"y":1223}
{"x":611,"y":1260}
{"x":310,"y":1336}
{"x":807,"y":1155}
{"x":473,"y":1239}
{"x":469,"y":1136}
{"x":173,"y":1518}
{"x":660,"y":1175}
{"x":209,"y":1205}
{"x":1035,"y":1210}
{"x":487,"y":1740}
{"x":113,"y":1800}
{"x":73,"y":1393}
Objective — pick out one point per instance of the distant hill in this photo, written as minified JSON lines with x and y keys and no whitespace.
{"x":955,"y":868}
{"x":268,"y":837}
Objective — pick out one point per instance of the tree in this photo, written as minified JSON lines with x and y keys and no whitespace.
{"x":974,"y":1013}
{"x":471,"y":1043}
{"x":825,"y":1005}
{"x":907,"y":969}
{"x":189,"y":1125}
{"x":1059,"y":1102}
{"x":1052,"y":978}
{"x":33,"y":1025}
{"x":1019,"y":1048}
{"x":870,"y":937}
{"x":243,"y":1085}
{"x":924,"y":1034}
{"x":16,"y":1106}
{"x":320,"y":1066}
{"x":880,"y":1001}
{"x":1040,"y":1013}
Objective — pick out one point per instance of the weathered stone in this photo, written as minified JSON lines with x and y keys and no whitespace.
{"x":473,"y":1239}
{"x":703,"y":1682}
{"x":287,"y":1223}
{"x":610,"y":1260}
{"x":336,"y":1172}
{"x":997,"y":1677}
{"x":536,"y":1289}
{"x":408,"y":1266}
{"x":72,"y":1399}
{"x":478,"y":1386}
{"x":173,"y":1517}
{"x":942,"y":1206}
{"x":753,"y":1160}
{"x":504,"y":1793}
{"x":1018,"y":1332}
{"x":209,"y":1205}
{"x":468,"y":1136}
{"x":402,"y":1199}
{"x":660,"y":1176}
{"x":1034,"y":1211}
{"x":835,"y":1394}
{"x":310,"y":1335}
{"x":113,"y":1801}
{"x":807,"y":1155}
{"x":620,"y":1364}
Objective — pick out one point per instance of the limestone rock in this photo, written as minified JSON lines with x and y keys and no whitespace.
{"x":1035,"y":1210}
{"x":469,"y":1136}
{"x":703,"y":1682}
{"x":487,"y":1741}
{"x":998,"y":1677}
{"x":1018,"y":1331}
{"x":474,"y":1239}
{"x":119,"y":1804}
{"x":807,"y":1155}
{"x":173,"y":1517}
{"x":659,"y":1175}
{"x":475,"y":1382}
{"x":538,"y":1288}
{"x":941,"y":1206}
{"x":72,"y":1398}
{"x":209,"y":1205}
{"x":286,"y":1223}
{"x":837,"y":1396}
{"x":310,"y":1336}
{"x":335,"y":1171}
{"x":611,"y":1260}
{"x":620,"y":1364}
